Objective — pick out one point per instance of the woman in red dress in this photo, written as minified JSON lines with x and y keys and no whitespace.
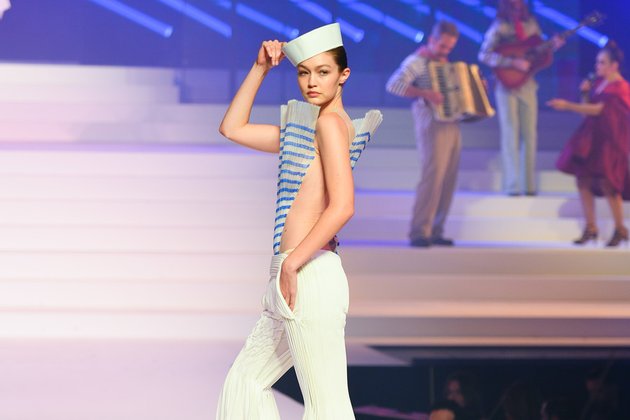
{"x":597,"y":154}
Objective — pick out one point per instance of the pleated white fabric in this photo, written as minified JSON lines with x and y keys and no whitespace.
{"x":311,"y":338}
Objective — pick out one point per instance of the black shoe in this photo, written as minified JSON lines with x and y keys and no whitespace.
{"x":589,"y":234}
{"x":440,"y":241}
{"x":531,"y":193}
{"x":420,"y":242}
{"x":620,"y":234}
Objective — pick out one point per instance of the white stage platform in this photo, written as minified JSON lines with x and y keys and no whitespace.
{"x":133,"y":241}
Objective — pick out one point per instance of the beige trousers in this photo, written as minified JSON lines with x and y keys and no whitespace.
{"x":439,"y":146}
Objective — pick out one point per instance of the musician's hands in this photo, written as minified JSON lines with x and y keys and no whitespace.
{"x":521,"y":64}
{"x":270,"y":54}
{"x":558,"y":104}
{"x":435,"y":97}
{"x":557,"y":41}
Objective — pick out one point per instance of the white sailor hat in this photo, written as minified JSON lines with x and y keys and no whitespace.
{"x":312,"y":43}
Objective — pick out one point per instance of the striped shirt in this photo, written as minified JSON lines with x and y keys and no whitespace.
{"x":413,"y":71}
{"x":297,"y":151}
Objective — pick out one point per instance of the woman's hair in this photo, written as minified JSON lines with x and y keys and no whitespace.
{"x":340,"y":57}
{"x":505,"y":11}
{"x":614,"y":52}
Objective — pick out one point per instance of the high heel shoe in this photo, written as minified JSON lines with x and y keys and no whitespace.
{"x":620,"y":234}
{"x":589,"y":234}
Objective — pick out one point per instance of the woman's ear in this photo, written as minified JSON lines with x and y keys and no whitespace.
{"x":344,"y":76}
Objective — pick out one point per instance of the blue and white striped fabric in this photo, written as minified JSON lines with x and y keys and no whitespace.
{"x":297,"y":151}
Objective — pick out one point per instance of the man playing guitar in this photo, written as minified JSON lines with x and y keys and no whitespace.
{"x":516,"y":100}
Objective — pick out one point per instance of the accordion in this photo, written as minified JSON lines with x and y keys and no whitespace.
{"x":465,"y":96}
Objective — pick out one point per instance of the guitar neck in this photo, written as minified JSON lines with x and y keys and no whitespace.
{"x":564,"y":35}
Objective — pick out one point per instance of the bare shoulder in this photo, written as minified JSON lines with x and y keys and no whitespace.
{"x":331,"y":126}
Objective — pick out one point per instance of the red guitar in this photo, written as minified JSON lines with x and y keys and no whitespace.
{"x":536,"y":51}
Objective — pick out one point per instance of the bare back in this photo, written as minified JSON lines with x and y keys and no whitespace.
{"x":312,"y":198}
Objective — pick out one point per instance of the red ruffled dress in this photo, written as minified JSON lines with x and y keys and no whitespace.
{"x":600,"y":148}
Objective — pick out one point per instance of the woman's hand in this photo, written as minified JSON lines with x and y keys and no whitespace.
{"x":270,"y":54}
{"x":558,"y":104}
{"x":586,"y":85}
{"x":288,"y":284}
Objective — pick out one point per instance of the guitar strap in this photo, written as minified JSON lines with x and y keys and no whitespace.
{"x":518,"y":28}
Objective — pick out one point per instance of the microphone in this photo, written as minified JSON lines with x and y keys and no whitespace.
{"x":584,"y":94}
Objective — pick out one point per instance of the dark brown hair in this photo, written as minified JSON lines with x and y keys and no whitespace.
{"x":506,"y":11}
{"x":340,"y":57}
{"x":614,"y":52}
{"x":443,"y":27}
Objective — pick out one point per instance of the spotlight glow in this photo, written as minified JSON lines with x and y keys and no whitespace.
{"x":198,"y":15}
{"x":266,"y":21}
{"x":136,"y":16}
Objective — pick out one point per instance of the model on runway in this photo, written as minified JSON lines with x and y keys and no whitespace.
{"x":305,"y":305}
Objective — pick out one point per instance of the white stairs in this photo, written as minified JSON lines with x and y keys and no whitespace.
{"x":123,"y":214}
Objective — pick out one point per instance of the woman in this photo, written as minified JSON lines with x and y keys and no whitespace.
{"x":305,"y":305}
{"x":598,"y":152}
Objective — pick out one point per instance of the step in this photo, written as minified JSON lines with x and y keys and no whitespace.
{"x":132,"y":132}
{"x":68,"y":112}
{"x":380,"y":157}
{"x":498,"y":330}
{"x":139,"y":160}
{"x":467,"y":180}
{"x":229,"y":235}
{"x":541,"y":328}
{"x":55,"y":74}
{"x":134,"y":239}
{"x":136,"y":213}
{"x":214,"y":211}
{"x":399,"y":204}
{"x":491,"y":229}
{"x":455,"y":296}
{"x":32,"y":93}
{"x":372,"y":261}
{"x":70,"y":187}
{"x":155,"y":267}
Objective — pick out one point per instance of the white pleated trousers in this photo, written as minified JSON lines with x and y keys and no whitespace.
{"x":311,"y":338}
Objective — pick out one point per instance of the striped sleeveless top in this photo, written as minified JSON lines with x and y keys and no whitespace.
{"x":297,"y":151}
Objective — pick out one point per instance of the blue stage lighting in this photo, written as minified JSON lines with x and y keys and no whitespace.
{"x":477,"y":6}
{"x":464,"y":29}
{"x":226,"y":4}
{"x":356,"y":34}
{"x":136,"y":16}
{"x":389,"y":22}
{"x":266,"y":21}
{"x":568,"y":23}
{"x":321,"y":13}
{"x":491,"y":12}
{"x":418,"y":6}
{"x":314,"y":9}
{"x":199,"y":16}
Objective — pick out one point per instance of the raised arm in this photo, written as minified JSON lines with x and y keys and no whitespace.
{"x":332,"y":141}
{"x":235,"y":125}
